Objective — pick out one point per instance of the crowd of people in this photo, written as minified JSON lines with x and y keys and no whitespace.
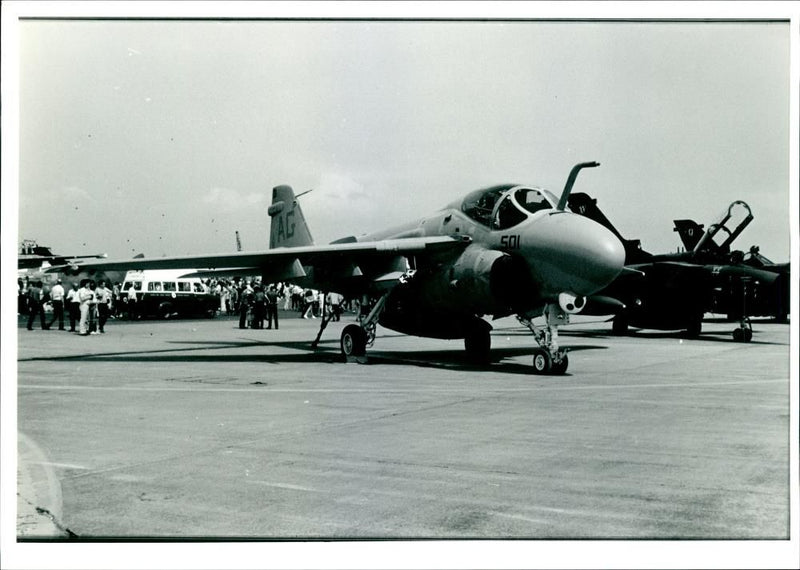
{"x":90,"y":305}
{"x":256,"y":302}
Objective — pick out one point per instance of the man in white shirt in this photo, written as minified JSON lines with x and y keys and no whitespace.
{"x":132,"y":314}
{"x":57,"y":298}
{"x":73,"y":306}
{"x":86,"y":297}
{"x":102,"y":296}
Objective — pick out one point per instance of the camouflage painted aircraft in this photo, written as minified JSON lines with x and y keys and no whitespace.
{"x":673,"y":291}
{"x":504,"y":250}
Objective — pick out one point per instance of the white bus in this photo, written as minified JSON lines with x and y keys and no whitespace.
{"x":163,"y":293}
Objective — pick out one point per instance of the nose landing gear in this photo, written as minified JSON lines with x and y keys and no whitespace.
{"x":548,"y":358}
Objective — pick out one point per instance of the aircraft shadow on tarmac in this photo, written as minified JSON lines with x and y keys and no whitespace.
{"x":327,"y":352}
{"x":606,"y":333}
{"x":709,"y":336}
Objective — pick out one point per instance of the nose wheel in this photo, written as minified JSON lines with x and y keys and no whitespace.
{"x":548,"y":358}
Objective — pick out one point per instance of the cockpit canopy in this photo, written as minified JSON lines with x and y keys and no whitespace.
{"x":505,"y":206}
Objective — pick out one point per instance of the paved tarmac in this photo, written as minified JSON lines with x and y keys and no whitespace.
{"x":195,"y":428}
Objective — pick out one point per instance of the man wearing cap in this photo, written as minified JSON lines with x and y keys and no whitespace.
{"x":57,"y":298}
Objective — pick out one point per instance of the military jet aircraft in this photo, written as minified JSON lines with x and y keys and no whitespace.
{"x":745,"y":294}
{"x":503,"y":250}
{"x":673,"y":291}
{"x":34,"y":256}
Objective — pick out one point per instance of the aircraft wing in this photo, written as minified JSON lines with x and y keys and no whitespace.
{"x":374,"y":259}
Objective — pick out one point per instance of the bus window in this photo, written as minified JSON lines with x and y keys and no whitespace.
{"x":154,"y":286}
{"x":198,"y":288}
{"x":184,"y":287}
{"x":170,"y":286}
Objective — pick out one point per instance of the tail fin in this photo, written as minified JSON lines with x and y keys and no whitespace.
{"x":690,"y":233}
{"x":288,"y":227}
{"x":583,"y":204}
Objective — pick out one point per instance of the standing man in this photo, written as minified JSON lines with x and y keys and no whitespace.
{"x":57,"y":298}
{"x":272,"y":306}
{"x":259,"y":307}
{"x":132,"y":314}
{"x":36,"y":305}
{"x":245,"y":302}
{"x":102,"y":297}
{"x":73,"y":306}
{"x":336,"y":306}
{"x":86,"y":297}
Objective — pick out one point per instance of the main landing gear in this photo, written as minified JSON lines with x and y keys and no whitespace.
{"x":356,"y":338}
{"x":745,"y":331}
{"x":548,"y":358}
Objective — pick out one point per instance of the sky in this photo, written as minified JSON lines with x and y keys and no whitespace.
{"x":166,"y":137}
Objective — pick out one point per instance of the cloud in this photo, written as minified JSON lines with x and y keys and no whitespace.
{"x":229,"y":200}
{"x":74,"y":193}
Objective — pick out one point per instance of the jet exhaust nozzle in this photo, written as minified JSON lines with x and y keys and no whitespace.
{"x":570,"y":303}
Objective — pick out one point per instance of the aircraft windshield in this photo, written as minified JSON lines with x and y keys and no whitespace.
{"x":501,"y":207}
{"x":532,"y":200}
{"x":479,"y":205}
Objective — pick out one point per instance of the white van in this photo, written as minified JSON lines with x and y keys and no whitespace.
{"x":163,"y":293}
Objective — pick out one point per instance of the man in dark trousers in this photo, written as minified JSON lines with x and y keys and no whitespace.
{"x":272,"y":306}
{"x":57,"y":298}
{"x":36,"y":301}
{"x":245,"y":303}
{"x":259,"y":307}
{"x":74,"y":307}
{"x":102,"y":296}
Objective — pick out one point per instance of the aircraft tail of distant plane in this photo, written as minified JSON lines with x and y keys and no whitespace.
{"x":288,"y":227}
{"x":690,"y":233}
{"x":585,"y":205}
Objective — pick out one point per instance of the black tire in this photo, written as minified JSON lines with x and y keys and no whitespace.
{"x":694,"y":328}
{"x":353,"y":341}
{"x":619,"y":326}
{"x":738,"y":335}
{"x":748,"y":335}
{"x":478,"y":345}
{"x":560,"y":367}
{"x":542,"y":363}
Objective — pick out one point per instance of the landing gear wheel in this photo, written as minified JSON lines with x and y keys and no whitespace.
{"x":542,"y":363}
{"x":742,"y":335}
{"x":694,"y":328}
{"x":478,"y":344}
{"x":560,"y":367}
{"x":619,"y":326}
{"x":353,"y":341}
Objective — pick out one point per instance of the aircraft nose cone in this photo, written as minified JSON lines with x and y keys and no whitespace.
{"x":572,"y":253}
